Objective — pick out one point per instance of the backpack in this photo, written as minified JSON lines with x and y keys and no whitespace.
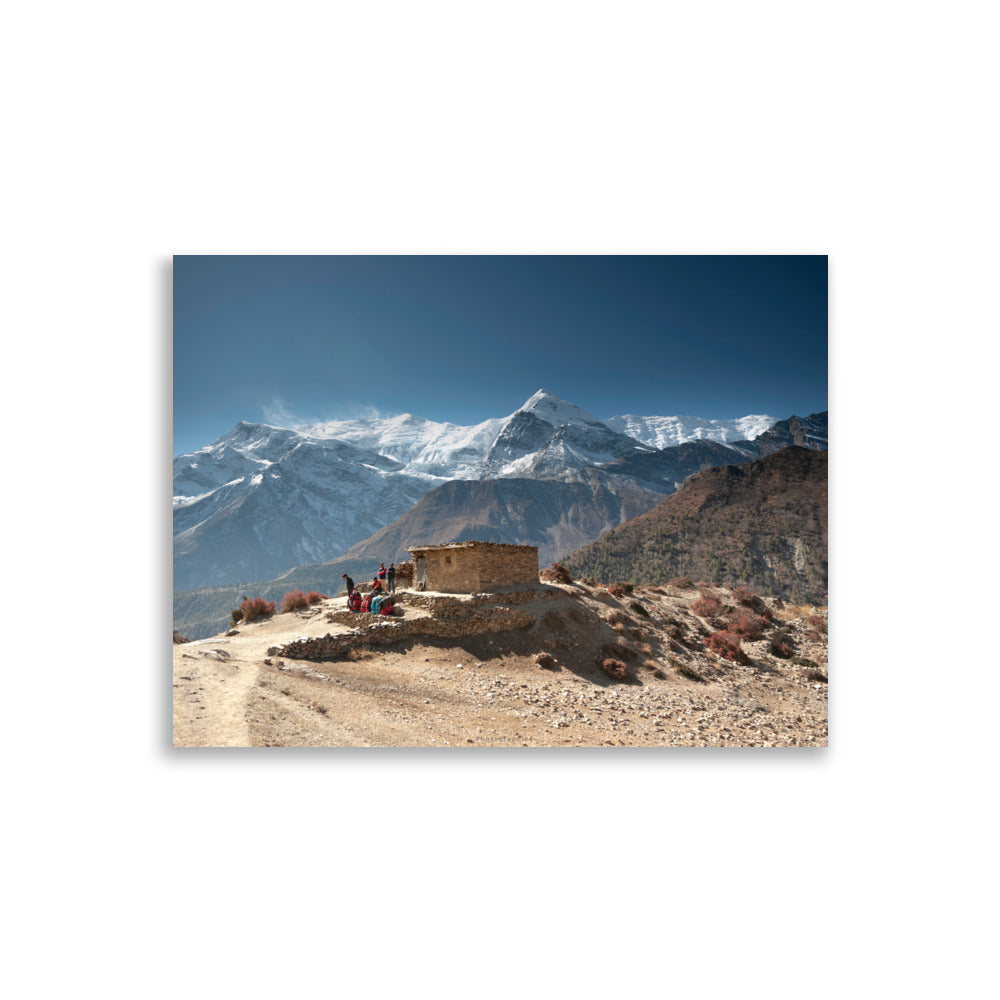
{"x":387,"y":607}
{"x":376,"y":604}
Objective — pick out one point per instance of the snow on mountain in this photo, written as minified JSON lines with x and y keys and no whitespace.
{"x":438,"y":451}
{"x":264,"y":499}
{"x":667,"y":432}
{"x":553,"y":410}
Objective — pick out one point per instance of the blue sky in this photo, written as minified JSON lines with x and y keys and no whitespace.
{"x":296,"y":339}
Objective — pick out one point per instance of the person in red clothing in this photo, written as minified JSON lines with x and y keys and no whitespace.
{"x":381,"y":575}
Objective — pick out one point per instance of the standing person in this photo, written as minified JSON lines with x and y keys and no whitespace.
{"x":391,"y":577}
{"x":350,"y":587}
{"x":381,"y":574}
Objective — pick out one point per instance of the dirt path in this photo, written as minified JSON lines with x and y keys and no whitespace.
{"x":214,"y":680}
{"x":490,"y":691}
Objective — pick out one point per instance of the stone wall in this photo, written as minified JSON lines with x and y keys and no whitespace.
{"x":385,"y":630}
{"x":470,"y":567}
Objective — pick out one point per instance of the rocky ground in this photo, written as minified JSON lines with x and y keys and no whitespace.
{"x":539,"y":685}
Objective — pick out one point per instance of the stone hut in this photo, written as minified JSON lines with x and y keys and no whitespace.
{"x":473,"y":567}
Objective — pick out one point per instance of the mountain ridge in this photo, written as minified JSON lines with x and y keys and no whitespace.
{"x":263,"y":500}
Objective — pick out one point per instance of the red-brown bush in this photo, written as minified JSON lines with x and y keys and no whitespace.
{"x":727,"y":645}
{"x":707,"y":605}
{"x":747,"y":625}
{"x":255,"y":608}
{"x":294,"y":600}
{"x":615,"y":669}
{"x":314,"y":598}
{"x":557,"y":574}
{"x":616,"y":589}
{"x":781,"y":646}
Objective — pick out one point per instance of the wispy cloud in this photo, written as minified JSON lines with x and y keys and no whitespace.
{"x":277,"y":412}
{"x":280,"y":413}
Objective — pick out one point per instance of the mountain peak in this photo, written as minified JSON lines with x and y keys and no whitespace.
{"x":549,"y":407}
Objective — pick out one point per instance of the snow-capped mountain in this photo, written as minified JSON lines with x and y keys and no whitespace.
{"x":263,"y":499}
{"x":667,"y":432}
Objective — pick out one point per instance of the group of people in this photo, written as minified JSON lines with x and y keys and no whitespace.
{"x":377,"y":600}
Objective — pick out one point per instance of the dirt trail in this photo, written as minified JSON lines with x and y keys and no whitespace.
{"x":489,"y":690}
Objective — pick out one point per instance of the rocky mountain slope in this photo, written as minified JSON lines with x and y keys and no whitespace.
{"x":762,"y":523}
{"x":520,"y":668}
{"x":263,"y":499}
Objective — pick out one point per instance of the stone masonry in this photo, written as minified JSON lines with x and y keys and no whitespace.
{"x":473,"y":567}
{"x":448,"y":618}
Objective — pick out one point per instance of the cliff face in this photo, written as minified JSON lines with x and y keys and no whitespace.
{"x":763,"y":523}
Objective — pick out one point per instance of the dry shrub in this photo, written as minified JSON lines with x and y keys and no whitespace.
{"x":637,"y":607}
{"x":616,"y":589}
{"x":682,"y":583}
{"x":313,"y":597}
{"x":546,"y":661}
{"x":619,"y":627}
{"x":707,"y":605}
{"x":815,"y":674}
{"x":646,"y":649}
{"x":781,"y":645}
{"x":557,"y":574}
{"x":294,"y":600}
{"x":256,"y":608}
{"x":615,"y":669}
{"x":747,"y":625}
{"x":727,"y":645}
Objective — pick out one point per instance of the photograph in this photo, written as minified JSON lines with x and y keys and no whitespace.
{"x":500,"y":501}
